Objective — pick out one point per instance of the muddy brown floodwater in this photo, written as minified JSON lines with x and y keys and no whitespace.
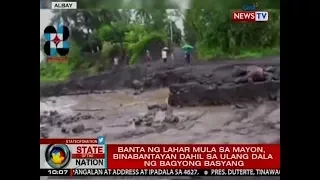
{"x":111,"y":114}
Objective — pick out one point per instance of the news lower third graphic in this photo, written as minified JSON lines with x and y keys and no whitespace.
{"x":56,"y":46}
{"x":57,"y":156}
{"x":94,"y":157}
{"x":73,"y":153}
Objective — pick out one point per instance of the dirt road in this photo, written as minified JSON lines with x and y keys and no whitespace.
{"x":179,"y":61}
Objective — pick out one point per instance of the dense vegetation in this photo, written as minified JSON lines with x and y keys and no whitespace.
{"x":100,"y":32}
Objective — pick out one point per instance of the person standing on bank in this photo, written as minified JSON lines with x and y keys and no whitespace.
{"x":115,"y":64}
{"x":115,"y":61}
{"x":187,"y":52}
{"x":148,"y":56}
{"x":164,"y":54}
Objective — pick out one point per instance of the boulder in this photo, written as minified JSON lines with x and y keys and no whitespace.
{"x":194,"y":94}
{"x":44,"y":131}
{"x":238,"y":71}
{"x":136,"y":84}
{"x":255,"y":73}
{"x":240,"y":80}
{"x":78,"y":128}
{"x":65,"y":130}
{"x":138,"y":92}
{"x":162,"y":107}
{"x":160,"y":116}
{"x":170,"y":117}
{"x":53,"y":113}
{"x":137,"y":121}
{"x":270,"y":69}
{"x":151,"y":113}
{"x":97,"y":129}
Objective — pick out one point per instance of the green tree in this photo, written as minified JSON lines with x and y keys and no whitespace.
{"x":115,"y":34}
{"x":214,"y":34}
{"x":101,"y":29}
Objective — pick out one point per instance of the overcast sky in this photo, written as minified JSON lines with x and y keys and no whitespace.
{"x":46,"y":15}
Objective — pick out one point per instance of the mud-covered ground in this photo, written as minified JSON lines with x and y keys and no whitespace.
{"x":124,"y":117}
{"x":112,"y":115}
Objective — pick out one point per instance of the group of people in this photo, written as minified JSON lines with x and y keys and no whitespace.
{"x":164,"y":55}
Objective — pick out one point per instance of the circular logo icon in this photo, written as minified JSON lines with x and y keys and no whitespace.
{"x":56,"y":40}
{"x":58,"y":155}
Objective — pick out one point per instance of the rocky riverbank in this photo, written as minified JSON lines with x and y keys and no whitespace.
{"x":189,"y":85}
{"x":154,"y":76}
{"x":234,"y":87}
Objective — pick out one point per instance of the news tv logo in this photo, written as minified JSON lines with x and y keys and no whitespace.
{"x":250,"y":16}
{"x":56,"y":45}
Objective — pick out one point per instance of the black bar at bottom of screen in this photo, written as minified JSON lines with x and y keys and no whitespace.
{"x":159,"y":172}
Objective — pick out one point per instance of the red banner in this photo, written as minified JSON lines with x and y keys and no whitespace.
{"x":182,"y":156}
